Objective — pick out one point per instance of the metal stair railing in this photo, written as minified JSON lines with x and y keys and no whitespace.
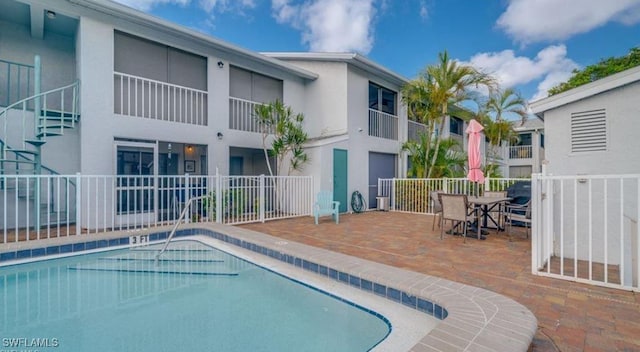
{"x":175,"y":226}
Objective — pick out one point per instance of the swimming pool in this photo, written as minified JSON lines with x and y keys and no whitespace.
{"x":414,"y":303}
{"x":195,"y":298}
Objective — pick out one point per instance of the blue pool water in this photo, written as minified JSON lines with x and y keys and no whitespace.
{"x":196,"y":298}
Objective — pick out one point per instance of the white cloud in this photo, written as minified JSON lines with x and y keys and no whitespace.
{"x":424,"y":11}
{"x":529,"y":21}
{"x":330,"y":25}
{"x":550,"y":65}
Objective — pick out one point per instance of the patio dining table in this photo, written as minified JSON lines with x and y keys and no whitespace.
{"x":485,"y":205}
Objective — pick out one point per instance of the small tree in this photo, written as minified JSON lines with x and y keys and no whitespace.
{"x":277,"y":120}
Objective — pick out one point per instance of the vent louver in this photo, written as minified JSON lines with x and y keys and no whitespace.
{"x":588,"y":131}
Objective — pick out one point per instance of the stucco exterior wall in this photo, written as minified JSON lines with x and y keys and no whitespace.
{"x":622,"y":111}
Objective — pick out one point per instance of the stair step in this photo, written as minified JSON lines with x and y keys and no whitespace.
{"x":48,"y":134}
{"x":35,"y":143}
{"x":55,"y":126}
{"x":58,"y":114}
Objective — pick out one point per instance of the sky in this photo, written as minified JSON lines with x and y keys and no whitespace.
{"x":529,"y":45}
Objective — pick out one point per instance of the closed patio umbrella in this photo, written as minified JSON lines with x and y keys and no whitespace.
{"x":475,"y":173}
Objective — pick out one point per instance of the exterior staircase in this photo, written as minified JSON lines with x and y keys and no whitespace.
{"x":26,"y":125}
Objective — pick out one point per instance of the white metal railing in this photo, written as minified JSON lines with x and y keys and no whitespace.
{"x":520,"y":152}
{"x":412,"y":194}
{"x":414,"y":129}
{"x":585,"y":229}
{"x":71,"y":205}
{"x":242,"y":115}
{"x":383,"y":125}
{"x":17,"y":80}
{"x":147,"y":98}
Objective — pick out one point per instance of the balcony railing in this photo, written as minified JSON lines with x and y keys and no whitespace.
{"x":414,"y":130}
{"x":383,"y":125}
{"x":17,"y":81}
{"x":520,"y":152}
{"x":147,"y":98}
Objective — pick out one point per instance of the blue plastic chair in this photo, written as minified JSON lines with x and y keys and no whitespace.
{"x":325,"y":205}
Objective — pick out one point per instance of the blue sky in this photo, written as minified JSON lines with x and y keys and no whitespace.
{"x":530,"y":45}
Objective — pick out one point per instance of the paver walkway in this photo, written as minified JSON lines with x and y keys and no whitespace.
{"x":571,"y":316}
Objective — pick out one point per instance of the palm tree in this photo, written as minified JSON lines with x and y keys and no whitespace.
{"x":450,"y":159}
{"x":499,"y":105}
{"x":429,"y":97}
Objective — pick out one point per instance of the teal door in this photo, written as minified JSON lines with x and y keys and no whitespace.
{"x":340,"y":178}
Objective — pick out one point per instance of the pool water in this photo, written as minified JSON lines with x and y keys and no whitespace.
{"x":196,"y":298}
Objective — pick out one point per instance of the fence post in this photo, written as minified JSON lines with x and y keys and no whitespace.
{"x":78,"y":204}
{"x":187,"y":197}
{"x":218,"y":197}
{"x":261,"y":198}
{"x":445,"y":185}
{"x":392,"y":196}
{"x":536,"y":200}
{"x":487,"y":184}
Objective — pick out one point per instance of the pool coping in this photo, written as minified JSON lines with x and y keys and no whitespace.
{"x":473,"y":319}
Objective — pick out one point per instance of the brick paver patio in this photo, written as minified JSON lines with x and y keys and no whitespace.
{"x":571,"y":316}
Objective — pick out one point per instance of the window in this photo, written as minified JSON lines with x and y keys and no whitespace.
{"x":588,"y":131}
{"x":382,"y":99}
{"x":144,"y":58}
{"x":524,"y":139}
{"x":455,"y":125}
{"x":253,"y":86}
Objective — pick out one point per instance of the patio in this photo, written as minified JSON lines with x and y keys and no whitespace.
{"x":571,"y":316}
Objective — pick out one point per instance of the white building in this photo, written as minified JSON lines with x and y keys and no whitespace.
{"x":589,"y":198}
{"x":149,"y":97}
{"x":592,"y":129}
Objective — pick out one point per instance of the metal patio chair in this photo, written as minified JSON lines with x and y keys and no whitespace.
{"x":455,"y":207}
{"x":519,"y":214}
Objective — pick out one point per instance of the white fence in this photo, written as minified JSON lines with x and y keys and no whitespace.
{"x":383,"y":125}
{"x":143,"y":97}
{"x":412,"y":194}
{"x":585,"y":229}
{"x":47,"y":206}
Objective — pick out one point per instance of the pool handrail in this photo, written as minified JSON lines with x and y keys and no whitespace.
{"x":187,"y":206}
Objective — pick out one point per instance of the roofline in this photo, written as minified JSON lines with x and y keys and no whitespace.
{"x":617,"y":80}
{"x":352,"y":58}
{"x":143,"y":19}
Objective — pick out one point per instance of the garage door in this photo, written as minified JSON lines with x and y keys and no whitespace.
{"x":381,"y":165}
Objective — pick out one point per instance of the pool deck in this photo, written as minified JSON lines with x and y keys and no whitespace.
{"x":571,"y":316}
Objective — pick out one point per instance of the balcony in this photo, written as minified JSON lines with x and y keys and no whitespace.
{"x":414,"y":129}
{"x":147,"y":98}
{"x":520,"y":152}
{"x":383,"y":125}
{"x":242,"y":115}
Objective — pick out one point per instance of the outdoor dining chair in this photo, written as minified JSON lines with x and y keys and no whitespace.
{"x":519,"y":214}
{"x":497,"y":214}
{"x":436,"y":209}
{"x":455,"y":207}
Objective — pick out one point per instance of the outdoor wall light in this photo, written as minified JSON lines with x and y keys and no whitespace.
{"x":189,"y":148}
{"x":220,"y":64}
{"x":51,"y":14}
{"x":220,"y":135}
